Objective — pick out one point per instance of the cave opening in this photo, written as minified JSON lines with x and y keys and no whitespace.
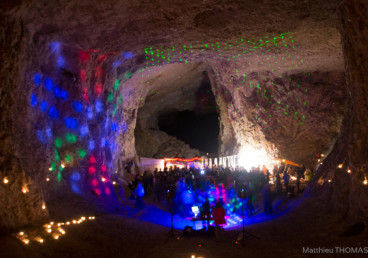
{"x":185,"y":116}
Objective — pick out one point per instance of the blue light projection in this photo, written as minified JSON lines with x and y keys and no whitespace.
{"x":91,"y":145}
{"x":89,"y":113}
{"x":78,"y":106}
{"x":55,"y":47}
{"x":128,"y":55}
{"x":53,"y":112}
{"x":98,"y":106}
{"x":71,"y":123}
{"x":84,"y":130}
{"x":33,"y":100}
{"x":41,"y":136}
{"x":60,"y":61}
{"x":43,"y":106}
{"x":37,"y":78}
{"x":49,"y":85}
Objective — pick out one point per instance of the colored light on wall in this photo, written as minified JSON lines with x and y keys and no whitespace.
{"x":58,"y":142}
{"x":33,"y":100}
{"x":60,"y":61}
{"x":71,"y":123}
{"x":84,"y":56}
{"x":128,"y":55}
{"x":103,"y":168}
{"x":59,"y":177}
{"x":53,"y":112}
{"x":92,"y":160}
{"x":49,"y":85}
{"x":68,"y":158}
{"x":55,"y":47}
{"x":37,"y":78}
{"x":98,"y":89}
{"x":91,"y":170}
{"x":114,"y":127}
{"x":91,"y":145}
{"x":117,"y":84}
{"x":78,"y":106}
{"x":71,"y":138}
{"x":98,"y":106}
{"x":94,"y":182}
{"x":89,"y":113}
{"x":82,"y":153}
{"x":40,"y":136}
{"x":43,"y":106}
{"x":48,"y":132}
{"x":84,"y":130}
{"x":75,"y":176}
{"x":107,"y":191}
{"x":83,"y":75}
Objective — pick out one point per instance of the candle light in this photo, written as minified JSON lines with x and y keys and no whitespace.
{"x":5,"y":180}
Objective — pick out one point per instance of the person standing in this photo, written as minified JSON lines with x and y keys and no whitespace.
{"x":219,"y":218}
{"x":286,"y":178}
{"x":139,"y":193}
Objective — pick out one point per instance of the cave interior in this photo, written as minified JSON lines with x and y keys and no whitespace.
{"x":90,"y":86}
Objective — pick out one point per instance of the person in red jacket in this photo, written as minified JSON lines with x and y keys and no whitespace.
{"x":219,"y":218}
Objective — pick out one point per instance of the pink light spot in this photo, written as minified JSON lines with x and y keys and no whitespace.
{"x":98,"y":89}
{"x":84,"y":56}
{"x":91,"y":170}
{"x":92,"y":159}
{"x":94,"y":182}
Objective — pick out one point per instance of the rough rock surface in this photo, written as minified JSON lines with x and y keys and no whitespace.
{"x":111,"y":55}
{"x":343,"y":176}
{"x":158,"y":144}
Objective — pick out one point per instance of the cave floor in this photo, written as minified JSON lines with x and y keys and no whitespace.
{"x":118,"y":231}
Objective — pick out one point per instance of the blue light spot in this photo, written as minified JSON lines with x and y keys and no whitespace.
{"x":75,"y":188}
{"x":112,"y":146}
{"x":49,"y":84}
{"x":91,"y":145}
{"x":60,"y":61}
{"x":57,"y":91}
{"x":107,"y":123}
{"x":116,"y":63}
{"x":53,"y":113}
{"x":78,"y":106}
{"x":75,"y":176}
{"x":128,"y":55}
{"x":55,"y":47}
{"x":114,"y":127}
{"x":71,"y":123}
{"x":37,"y":79}
{"x":48,"y":132}
{"x":40,"y":136}
{"x":33,"y":100}
{"x":43,"y":106}
{"x":84,"y":130}
{"x":98,"y":106}
{"x":64,"y":95}
{"x":124,"y":127}
{"x":103,"y":143}
{"x":89,"y":113}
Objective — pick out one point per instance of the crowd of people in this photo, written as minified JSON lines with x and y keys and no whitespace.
{"x":217,"y":191}
{"x":185,"y":188}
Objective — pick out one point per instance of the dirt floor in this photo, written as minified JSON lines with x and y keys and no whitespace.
{"x":118,"y":231}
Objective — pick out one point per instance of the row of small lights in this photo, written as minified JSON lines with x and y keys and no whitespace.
{"x":54,"y":229}
{"x":58,"y":230}
{"x":365,"y":182}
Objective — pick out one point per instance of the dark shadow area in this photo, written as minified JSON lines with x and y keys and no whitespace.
{"x":199,"y":131}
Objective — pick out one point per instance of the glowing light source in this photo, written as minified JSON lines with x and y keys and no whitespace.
{"x":340,"y":165}
{"x":5,"y":180}
{"x":43,"y":206}
{"x":71,"y":123}
{"x":250,"y":157}
{"x":365,"y":181}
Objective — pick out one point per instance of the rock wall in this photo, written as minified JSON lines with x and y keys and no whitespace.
{"x":342,"y":177}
